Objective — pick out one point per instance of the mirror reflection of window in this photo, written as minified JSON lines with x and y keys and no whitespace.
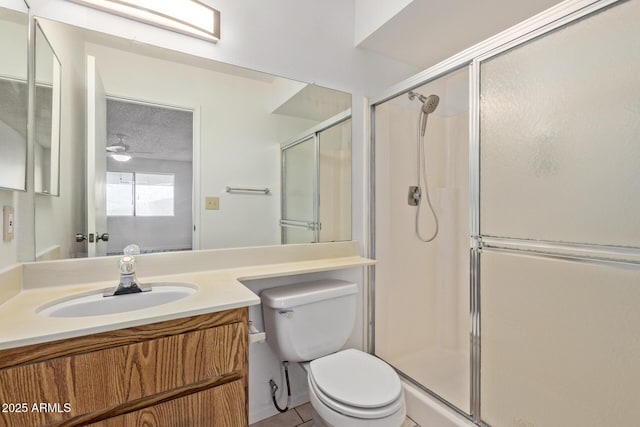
{"x":119,"y":194}
{"x":140,"y":194}
{"x":154,"y":194}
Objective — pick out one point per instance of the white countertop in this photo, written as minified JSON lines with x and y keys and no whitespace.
{"x":218,"y":290}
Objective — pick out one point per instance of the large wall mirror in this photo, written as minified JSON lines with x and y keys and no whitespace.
{"x":183,"y":152}
{"x":13,"y":98}
{"x":47,"y":116}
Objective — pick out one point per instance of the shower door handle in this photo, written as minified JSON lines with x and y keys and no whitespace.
{"x":309,"y":225}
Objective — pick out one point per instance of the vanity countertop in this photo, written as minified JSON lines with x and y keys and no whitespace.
{"x":218,"y":290}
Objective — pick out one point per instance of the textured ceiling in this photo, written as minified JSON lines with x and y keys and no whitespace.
{"x":13,"y":108}
{"x":151,"y":132}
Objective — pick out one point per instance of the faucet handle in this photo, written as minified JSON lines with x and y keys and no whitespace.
{"x":127,"y":264}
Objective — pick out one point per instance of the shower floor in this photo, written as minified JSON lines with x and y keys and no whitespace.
{"x":444,"y":372}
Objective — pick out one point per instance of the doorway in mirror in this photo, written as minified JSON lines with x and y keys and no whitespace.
{"x":149,"y":176}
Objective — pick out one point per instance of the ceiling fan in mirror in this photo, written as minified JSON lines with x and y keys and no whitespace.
{"x":120,"y":151}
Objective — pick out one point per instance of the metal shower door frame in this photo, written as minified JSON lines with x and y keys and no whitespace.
{"x":313,"y":133}
{"x":298,"y":222}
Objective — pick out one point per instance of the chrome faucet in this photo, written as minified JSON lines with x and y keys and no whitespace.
{"x":128,"y":282}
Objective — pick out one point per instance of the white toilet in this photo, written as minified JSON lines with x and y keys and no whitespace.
{"x":308,"y":323}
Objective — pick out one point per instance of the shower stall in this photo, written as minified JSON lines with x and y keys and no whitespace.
{"x":422,"y":316}
{"x":524,"y":308}
{"x":316,"y":183}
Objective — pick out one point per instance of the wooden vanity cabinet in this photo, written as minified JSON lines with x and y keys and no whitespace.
{"x":187,"y":372}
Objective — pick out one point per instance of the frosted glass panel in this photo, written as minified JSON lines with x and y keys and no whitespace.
{"x":422,"y":289}
{"x":299,"y":177}
{"x":297,"y":235}
{"x":335,"y":183}
{"x":560,"y":119}
{"x":560,"y":342}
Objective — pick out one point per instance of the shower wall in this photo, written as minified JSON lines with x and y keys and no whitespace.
{"x":422,"y":289}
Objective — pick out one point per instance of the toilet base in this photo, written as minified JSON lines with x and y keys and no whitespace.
{"x":317,"y":419}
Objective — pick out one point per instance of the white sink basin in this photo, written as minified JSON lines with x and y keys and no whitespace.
{"x":96,"y":304}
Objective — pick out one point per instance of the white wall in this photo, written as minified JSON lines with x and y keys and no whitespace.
{"x":373,"y":14}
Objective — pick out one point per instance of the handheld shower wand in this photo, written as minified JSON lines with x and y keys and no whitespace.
{"x":429,"y":105}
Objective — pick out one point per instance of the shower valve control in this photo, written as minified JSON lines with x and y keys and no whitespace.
{"x":415,"y":194}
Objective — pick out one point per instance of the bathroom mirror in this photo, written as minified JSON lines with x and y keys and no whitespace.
{"x":174,"y":142}
{"x":13,"y":98}
{"x":47,"y":117}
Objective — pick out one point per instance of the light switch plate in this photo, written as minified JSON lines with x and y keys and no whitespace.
{"x":8,"y":223}
{"x":212,"y":203}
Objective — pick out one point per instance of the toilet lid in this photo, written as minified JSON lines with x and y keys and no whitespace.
{"x":356,"y":379}
{"x":353,"y":411}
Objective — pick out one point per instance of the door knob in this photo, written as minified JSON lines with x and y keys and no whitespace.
{"x":81,"y":237}
{"x":104,"y":237}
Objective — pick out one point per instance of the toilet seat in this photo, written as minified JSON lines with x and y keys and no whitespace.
{"x":356,"y":384}
{"x":353,"y":411}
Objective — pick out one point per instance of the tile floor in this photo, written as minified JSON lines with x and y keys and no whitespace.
{"x":300,"y":416}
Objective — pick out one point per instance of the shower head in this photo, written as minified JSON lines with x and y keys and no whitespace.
{"x":429,"y":105}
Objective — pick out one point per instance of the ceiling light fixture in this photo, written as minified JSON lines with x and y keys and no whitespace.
{"x":120,"y":157}
{"x":191,"y":17}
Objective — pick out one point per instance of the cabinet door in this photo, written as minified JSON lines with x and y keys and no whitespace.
{"x":222,"y":406}
{"x":109,"y":379}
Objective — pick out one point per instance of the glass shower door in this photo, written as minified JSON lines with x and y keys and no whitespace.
{"x":335,"y":183}
{"x":299,"y":210}
{"x":316,"y":184}
{"x":422,"y":289}
{"x":560,"y":196}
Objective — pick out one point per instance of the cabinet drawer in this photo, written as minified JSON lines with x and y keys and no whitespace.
{"x":108,"y":378}
{"x":222,"y":406}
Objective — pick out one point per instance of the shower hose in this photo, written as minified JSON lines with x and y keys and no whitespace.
{"x":422,"y":175}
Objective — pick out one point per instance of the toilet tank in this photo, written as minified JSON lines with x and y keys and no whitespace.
{"x":309,"y":320}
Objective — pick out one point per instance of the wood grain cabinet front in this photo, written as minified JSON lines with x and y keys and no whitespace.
{"x":220,"y":406}
{"x":187,"y":372}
